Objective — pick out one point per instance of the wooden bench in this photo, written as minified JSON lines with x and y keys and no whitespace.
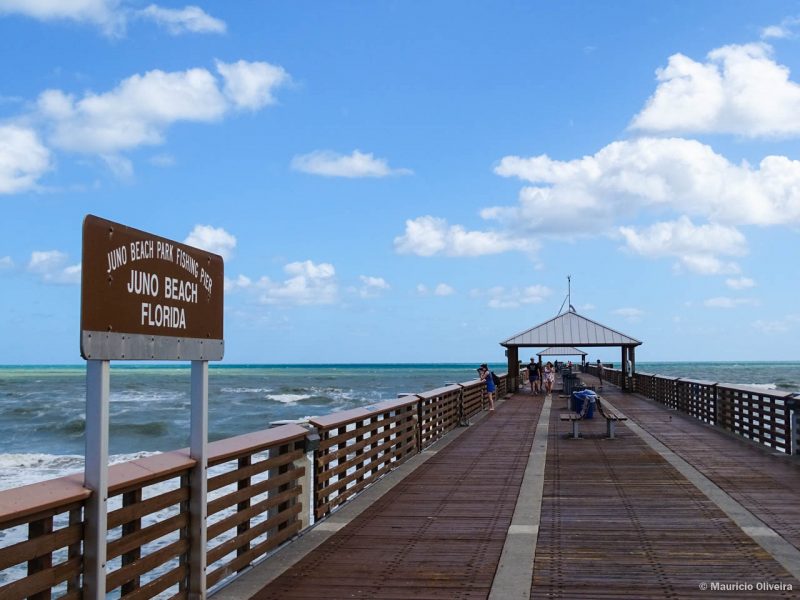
{"x":610,"y":416}
{"x":575,"y":418}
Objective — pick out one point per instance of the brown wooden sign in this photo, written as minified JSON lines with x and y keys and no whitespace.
{"x":144,"y":296}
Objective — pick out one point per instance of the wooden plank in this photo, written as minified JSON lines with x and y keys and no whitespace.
{"x":43,"y":580}
{"x":256,"y":468}
{"x":28,"y":550}
{"x":140,"y":509}
{"x":240,"y":516}
{"x":146,"y":534}
{"x":261,"y":487}
{"x":146,"y":564}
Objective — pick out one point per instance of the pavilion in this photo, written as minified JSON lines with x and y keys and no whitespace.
{"x":570,"y":331}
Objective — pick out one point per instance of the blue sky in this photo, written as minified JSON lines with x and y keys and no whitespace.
{"x":413,"y":181}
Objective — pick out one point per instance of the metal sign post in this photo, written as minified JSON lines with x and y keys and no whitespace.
{"x":198,"y":480}
{"x":144,"y":297}
{"x":96,"y":477}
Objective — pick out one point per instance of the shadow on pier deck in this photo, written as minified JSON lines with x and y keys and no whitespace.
{"x":513,"y":507}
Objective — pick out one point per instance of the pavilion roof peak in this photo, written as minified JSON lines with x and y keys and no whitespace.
{"x":569,"y":329}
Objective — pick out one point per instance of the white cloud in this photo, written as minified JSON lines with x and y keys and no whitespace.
{"x":241,"y":282}
{"x":23,"y":159}
{"x":422,"y":289}
{"x":142,"y":107}
{"x":740,"y":283}
{"x":630,"y":314}
{"x":162,"y":160}
{"x":250,"y":84}
{"x":111,"y":16}
{"x":783,"y":325}
{"x":372,"y":286}
{"x":695,"y":247}
{"x":308,"y":284}
{"x":355,"y":165}
{"x":212,"y":239}
{"x":781,"y":31}
{"x":6,"y":262}
{"x":190,"y":19}
{"x":725,"y":302}
{"x":514,"y":297}
{"x":627,"y":177}
{"x":427,"y":236}
{"x":739,"y":90}
{"x":443,"y":289}
{"x":51,"y":266}
{"x":105,"y":14}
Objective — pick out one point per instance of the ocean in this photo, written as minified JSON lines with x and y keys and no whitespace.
{"x":42,"y":408}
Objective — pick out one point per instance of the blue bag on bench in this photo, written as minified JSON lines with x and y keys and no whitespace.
{"x":579,"y":398}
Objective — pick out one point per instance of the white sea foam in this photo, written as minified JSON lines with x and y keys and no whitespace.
{"x":23,"y":469}
{"x":287,"y":398}
{"x":244,"y":390}
{"x":762,"y":386}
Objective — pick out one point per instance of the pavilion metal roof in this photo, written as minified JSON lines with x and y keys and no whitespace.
{"x":565,"y":351}
{"x":570,"y":329}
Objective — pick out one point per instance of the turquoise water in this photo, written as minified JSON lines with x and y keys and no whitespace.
{"x":42,"y":408}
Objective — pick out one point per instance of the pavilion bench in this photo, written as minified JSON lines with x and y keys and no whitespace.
{"x":611,"y":417}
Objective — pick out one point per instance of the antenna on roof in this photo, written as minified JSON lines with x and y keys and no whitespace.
{"x":568,"y":299}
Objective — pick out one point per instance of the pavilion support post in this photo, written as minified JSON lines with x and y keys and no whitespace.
{"x":513,"y":369}
{"x":632,"y":358}
{"x":623,"y":369}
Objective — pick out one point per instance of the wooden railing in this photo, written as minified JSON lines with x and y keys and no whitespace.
{"x":766,"y":417}
{"x":263,"y":489}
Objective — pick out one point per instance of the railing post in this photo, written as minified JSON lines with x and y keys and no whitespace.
{"x":198,"y":481}
{"x":307,"y":482}
{"x":792,"y":406}
{"x":98,"y":377}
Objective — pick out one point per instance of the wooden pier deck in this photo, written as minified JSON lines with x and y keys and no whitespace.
{"x":512,"y":507}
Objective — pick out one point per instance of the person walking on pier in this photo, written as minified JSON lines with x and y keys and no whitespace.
{"x":534,"y":376}
{"x":549,"y":377}
{"x":600,"y":373}
{"x":486,"y":375}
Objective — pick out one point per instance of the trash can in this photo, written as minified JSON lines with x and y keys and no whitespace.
{"x":570,"y":381}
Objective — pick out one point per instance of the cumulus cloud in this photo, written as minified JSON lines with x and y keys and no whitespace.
{"x":442,"y":289}
{"x":309,"y":283}
{"x":355,"y":165}
{"x":51,"y":266}
{"x":241,"y":282}
{"x":142,"y":107}
{"x":112,"y":16}
{"x":725,"y":302}
{"x":739,"y":90}
{"x":696,"y":247}
{"x":772,"y":326}
{"x":740,"y":283}
{"x":782,"y":30}
{"x":501,"y":297}
{"x":6,"y":262}
{"x":627,"y":177}
{"x":629,"y":314}
{"x":428,"y":236}
{"x":23,"y":159}
{"x":108,"y":15}
{"x":250,"y":84}
{"x":190,"y":19}
{"x":212,"y":239}
{"x":371,"y":287}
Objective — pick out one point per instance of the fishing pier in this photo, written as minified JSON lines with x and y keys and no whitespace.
{"x":697,"y":491}
{"x":676,"y":488}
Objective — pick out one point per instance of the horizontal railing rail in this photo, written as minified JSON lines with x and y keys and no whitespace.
{"x":263,"y":489}
{"x":767,"y":417}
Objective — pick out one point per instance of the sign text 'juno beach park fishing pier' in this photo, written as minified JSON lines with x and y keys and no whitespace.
{"x":145,"y":297}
